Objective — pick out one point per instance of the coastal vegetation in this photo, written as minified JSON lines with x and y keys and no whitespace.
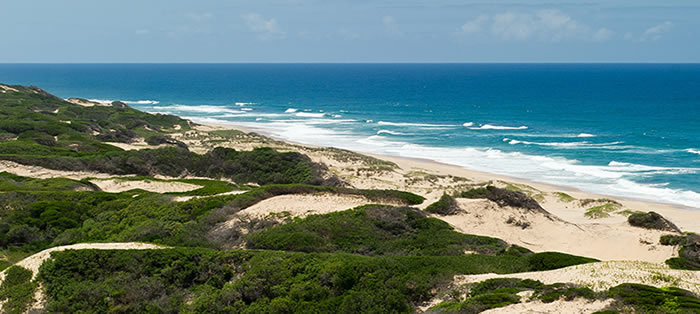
{"x":385,"y":257}
{"x":637,"y":298}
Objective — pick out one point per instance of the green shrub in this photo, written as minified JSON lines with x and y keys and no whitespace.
{"x":17,"y":290}
{"x":671,"y":239}
{"x":646,"y":299}
{"x":553,"y":260}
{"x":652,"y":220}
{"x":446,"y":205}
{"x":373,"y":230}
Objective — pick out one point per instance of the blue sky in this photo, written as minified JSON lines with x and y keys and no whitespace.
{"x":350,"y":31}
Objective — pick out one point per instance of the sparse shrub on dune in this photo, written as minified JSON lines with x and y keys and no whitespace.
{"x":446,"y":205}
{"x":652,"y":220}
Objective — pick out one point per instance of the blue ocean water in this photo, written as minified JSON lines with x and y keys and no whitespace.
{"x":630,"y":130}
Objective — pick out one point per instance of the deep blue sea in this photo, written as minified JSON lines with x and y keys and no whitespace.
{"x":630,"y":130}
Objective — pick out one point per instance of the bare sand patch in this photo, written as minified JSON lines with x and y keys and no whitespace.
{"x":118,"y":185}
{"x":577,"y":306}
{"x":539,"y":232}
{"x":301,"y":205}
{"x":45,"y":173}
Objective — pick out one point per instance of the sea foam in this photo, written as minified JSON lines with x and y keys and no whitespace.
{"x":499,"y":127}
{"x":414,"y":124}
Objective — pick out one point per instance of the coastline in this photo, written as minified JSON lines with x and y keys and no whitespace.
{"x":687,"y":218}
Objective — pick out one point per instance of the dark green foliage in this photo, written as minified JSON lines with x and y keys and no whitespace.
{"x":17,"y":290}
{"x":652,"y":220}
{"x":689,"y":253}
{"x":510,"y":285}
{"x":261,"y":166}
{"x":554,"y":260}
{"x":499,"y":292}
{"x":672,"y":239}
{"x":503,"y":197}
{"x":446,"y":205}
{"x":156,"y":140}
{"x":646,"y":299}
{"x":251,"y":282}
{"x":373,"y":230}
{"x":478,"y":304}
{"x":10,"y":182}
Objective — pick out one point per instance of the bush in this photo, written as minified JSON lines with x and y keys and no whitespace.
{"x":17,"y":290}
{"x":553,"y":260}
{"x":652,"y":220}
{"x":646,"y":299}
{"x":503,"y":197}
{"x":446,"y":205}
{"x":373,"y":230}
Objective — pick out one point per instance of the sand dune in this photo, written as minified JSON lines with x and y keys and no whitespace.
{"x":117,"y":185}
{"x":537,"y":232}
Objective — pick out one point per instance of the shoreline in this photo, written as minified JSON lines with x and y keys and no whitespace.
{"x":430,"y":164}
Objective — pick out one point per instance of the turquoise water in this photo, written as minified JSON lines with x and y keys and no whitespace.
{"x":619,"y":129}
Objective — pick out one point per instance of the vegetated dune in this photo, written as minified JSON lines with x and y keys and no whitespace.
{"x":540,"y":232}
{"x":117,"y":185}
{"x":300,"y":205}
{"x":601,"y":276}
{"x":34,"y":261}
{"x":45,"y":173}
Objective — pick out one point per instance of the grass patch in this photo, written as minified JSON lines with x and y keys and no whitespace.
{"x":601,"y":211}
{"x":563,"y":197}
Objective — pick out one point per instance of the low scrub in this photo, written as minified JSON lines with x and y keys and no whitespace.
{"x":652,"y":220}
{"x":373,"y":230}
{"x":503,"y":197}
{"x":446,"y":205}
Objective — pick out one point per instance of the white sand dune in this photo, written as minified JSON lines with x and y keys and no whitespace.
{"x":117,"y":185}
{"x":577,"y":306}
{"x":604,"y":241}
{"x":302,"y":205}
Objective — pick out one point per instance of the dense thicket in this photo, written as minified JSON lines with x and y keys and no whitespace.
{"x":205,"y":281}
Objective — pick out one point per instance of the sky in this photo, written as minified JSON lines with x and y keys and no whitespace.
{"x":175,"y":31}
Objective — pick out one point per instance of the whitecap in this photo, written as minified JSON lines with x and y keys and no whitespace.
{"x":247,"y":109}
{"x":499,"y":127}
{"x":585,"y":135}
{"x":468,"y":124}
{"x":414,"y":124}
{"x":241,"y":104}
{"x":290,"y":110}
{"x":391,"y":132}
{"x":693,"y":151}
{"x":310,"y":114}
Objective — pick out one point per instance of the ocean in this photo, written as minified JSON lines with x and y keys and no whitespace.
{"x":628,"y":130}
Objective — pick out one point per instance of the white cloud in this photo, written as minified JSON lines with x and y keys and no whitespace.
{"x":654,"y":33}
{"x":545,"y":25}
{"x":265,"y":28}
{"x":200,"y":17}
{"x":603,"y":34}
{"x":475,"y":25}
{"x":391,"y":26}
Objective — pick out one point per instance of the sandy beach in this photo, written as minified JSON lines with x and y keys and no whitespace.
{"x":608,"y":238}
